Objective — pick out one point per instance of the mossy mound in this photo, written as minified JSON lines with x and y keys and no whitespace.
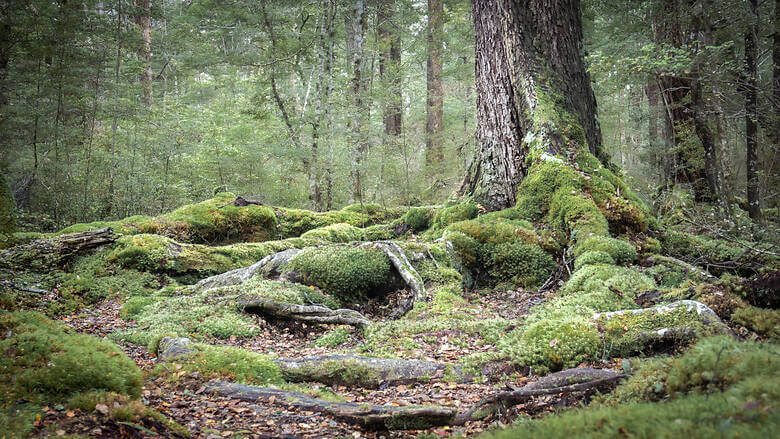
{"x":296,"y":222}
{"x":351,"y":274}
{"x":712,"y":364}
{"x":764,"y":322}
{"x":492,"y":251}
{"x":230,"y":363}
{"x":620,"y":251}
{"x":339,"y":232}
{"x":454,"y":212}
{"x":159,"y":254}
{"x":43,"y":363}
{"x":579,"y":198}
{"x":214,"y":313}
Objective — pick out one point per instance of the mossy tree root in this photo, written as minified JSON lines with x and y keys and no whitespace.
{"x":406,"y":270}
{"x":565,"y":381}
{"x":370,"y":372}
{"x":690,"y":268}
{"x":268,"y":266}
{"x":305,"y":313}
{"x":42,"y":254}
{"x":366,"y":415}
{"x":707,"y":316}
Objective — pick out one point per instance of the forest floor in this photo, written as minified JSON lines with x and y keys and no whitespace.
{"x":182,"y":398}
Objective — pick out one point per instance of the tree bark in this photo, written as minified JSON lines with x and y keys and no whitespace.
{"x":532,"y":87}
{"x":144,"y":21}
{"x":751,"y":114}
{"x":434,"y":122}
{"x":356,"y":27}
{"x":389,"y":67}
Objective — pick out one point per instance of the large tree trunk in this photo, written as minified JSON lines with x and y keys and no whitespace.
{"x":356,"y":27}
{"x":144,"y":21}
{"x":532,"y":89}
{"x":751,"y":114}
{"x":389,"y":67}
{"x":434,"y":122}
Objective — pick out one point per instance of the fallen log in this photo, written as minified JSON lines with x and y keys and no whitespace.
{"x":706,"y":315}
{"x":586,"y":379}
{"x":698,"y":272}
{"x":353,"y":370}
{"x":366,"y":415}
{"x":9,"y":284}
{"x":346,"y":370}
{"x":43,"y":254}
{"x":305,"y":313}
{"x":266,"y":267}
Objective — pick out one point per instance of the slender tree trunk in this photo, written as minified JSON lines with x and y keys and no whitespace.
{"x":356,"y":26}
{"x":434,"y":122}
{"x":109,"y":205}
{"x":389,"y":66}
{"x":530,"y":81}
{"x":751,"y":114}
{"x":144,"y":21}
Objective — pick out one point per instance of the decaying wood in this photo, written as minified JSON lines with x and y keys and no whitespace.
{"x":47,"y":253}
{"x":407,"y":271}
{"x":585,"y":379}
{"x":243,"y":202}
{"x":305,"y":313}
{"x":706,"y":315}
{"x":350,"y":370}
{"x":15,"y":286}
{"x":658,"y":259}
{"x":268,"y":266}
{"x":366,"y":415}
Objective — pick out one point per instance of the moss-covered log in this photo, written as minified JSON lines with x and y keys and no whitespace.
{"x":304,"y":313}
{"x":43,"y":254}
{"x":371,"y":372}
{"x":366,"y":415}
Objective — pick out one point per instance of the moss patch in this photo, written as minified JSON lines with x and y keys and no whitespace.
{"x":348,"y":273}
{"x":339,"y":232}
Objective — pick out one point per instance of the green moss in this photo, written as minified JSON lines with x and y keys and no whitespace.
{"x":214,"y":313}
{"x":378,"y":232}
{"x":134,"y":306}
{"x":537,"y":189}
{"x":713,"y":363}
{"x":43,"y":363}
{"x":333,"y":338}
{"x":419,"y":218}
{"x":576,"y":216}
{"x":553,"y":345}
{"x":593,"y":257}
{"x":689,"y":247}
{"x":339,"y":232}
{"x":622,"y":252}
{"x":348,"y":273}
{"x":764,"y":322}
{"x":155,"y":253}
{"x":230,"y":363}
{"x":296,"y":222}
{"x":452,"y":214}
{"x":493,"y":250}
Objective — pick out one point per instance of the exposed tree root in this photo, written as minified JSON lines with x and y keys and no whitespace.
{"x":366,"y":415}
{"x":305,"y":313}
{"x":368,"y":372}
{"x":406,"y":270}
{"x":584,"y":380}
{"x":268,"y":266}
{"x":9,"y":284}
{"x":46,"y":253}
{"x":172,"y":347}
{"x":706,"y":314}
{"x":659,"y":259}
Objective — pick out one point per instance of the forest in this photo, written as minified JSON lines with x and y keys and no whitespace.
{"x":389,"y":219}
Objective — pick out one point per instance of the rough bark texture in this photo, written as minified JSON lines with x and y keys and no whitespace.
{"x":751,"y":114}
{"x":370,"y":372}
{"x":305,"y":313}
{"x":434,"y":122}
{"x":366,"y":415}
{"x":46,"y":253}
{"x":389,"y":67}
{"x":531,"y":86}
{"x":144,"y":21}
{"x":358,"y":139}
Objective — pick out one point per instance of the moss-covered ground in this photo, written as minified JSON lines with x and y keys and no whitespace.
{"x":511,"y":295}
